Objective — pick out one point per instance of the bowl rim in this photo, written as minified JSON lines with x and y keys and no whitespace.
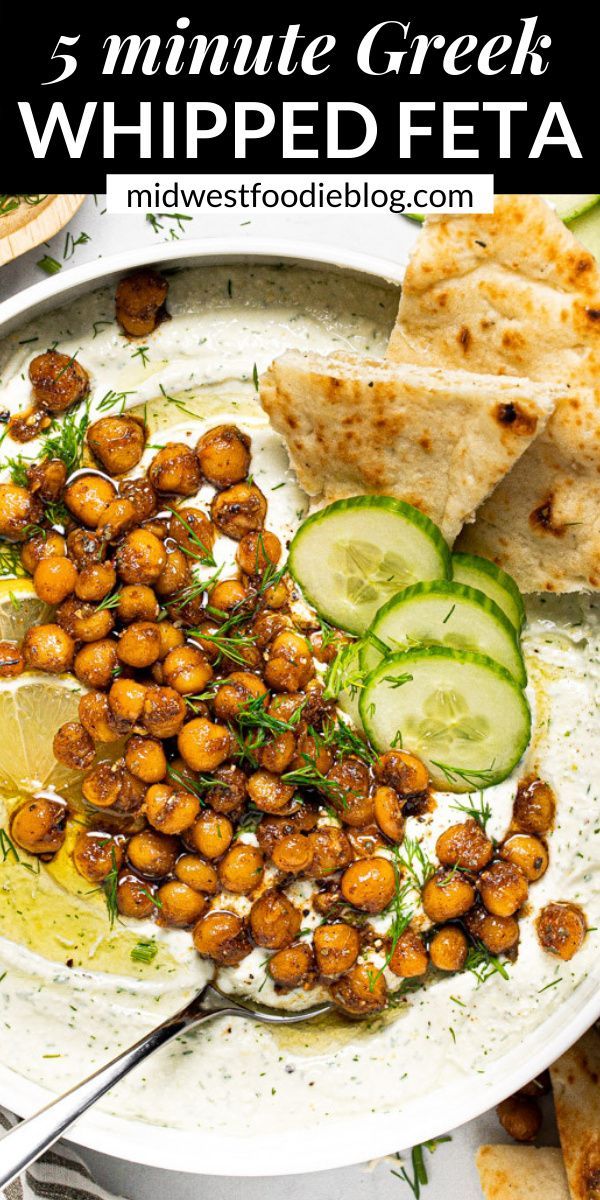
{"x":346,"y":1140}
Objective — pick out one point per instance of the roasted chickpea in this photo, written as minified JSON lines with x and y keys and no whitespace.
{"x":561,"y":929}
{"x":464,"y":845}
{"x":369,"y":884}
{"x":179,"y":904}
{"x":226,"y":597}
{"x":292,"y":854}
{"x":331,"y":851}
{"x":448,"y":948}
{"x":258,"y":551}
{"x":135,"y":898}
{"x":268,"y":792}
{"x":497,"y":934}
{"x":139,"y":644}
{"x":95,"y":581}
{"x":142,"y":495}
{"x":164,"y":713}
{"x":224,"y":455}
{"x":38,"y":826}
{"x":186,"y":670}
{"x":171,"y":637}
{"x":27,"y":425}
{"x":236,"y":693}
{"x":403,"y":772}
{"x":242,"y":868}
{"x":521,"y":1117}
{"x":528,"y":853}
{"x":239,"y":510}
{"x":103,"y":785}
{"x":211,"y":835}
{"x":140,"y":557}
{"x":117,"y":443}
{"x":503,"y":888}
{"x":48,"y":544}
{"x":48,"y":648}
{"x":361,"y":991}
{"x":310,"y":747}
{"x":387,"y":808}
{"x":534,"y":808}
{"x":146,"y":759}
{"x":126,"y":699}
{"x":170,"y":811}
{"x":277,"y":754}
{"x":97,"y":718}
{"x":267,"y":625}
{"x":73,"y":746}
{"x":152,"y":854}
{"x":58,"y":381}
{"x":204,"y":745}
{"x":175,"y":575}
{"x":47,"y":479}
{"x":290,"y":664}
{"x":274,"y":920}
{"x":291,"y":967}
{"x":85,"y":547}
{"x":18,"y":510}
{"x":336,"y":947}
{"x":409,"y":957}
{"x":12,"y":662}
{"x":349,"y":791}
{"x":140,"y":302}
{"x":54,"y":579}
{"x":230,"y":791}
{"x":96,"y":663}
{"x":198,"y":874}
{"x":95,"y":855}
{"x":271,"y":830}
{"x":117,"y":518}
{"x":159,"y":526}
{"x":222,"y":937}
{"x":137,"y":602}
{"x":84,"y":622}
{"x":447,"y":895}
{"x":192,"y":530}
{"x":188,"y":610}
{"x":175,"y":470}
{"x":87,"y":496}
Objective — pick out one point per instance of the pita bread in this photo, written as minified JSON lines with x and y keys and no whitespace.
{"x":440,"y":440}
{"x":507,"y":293}
{"x":514,"y":293}
{"x":522,"y":1173}
{"x":576,"y":1085}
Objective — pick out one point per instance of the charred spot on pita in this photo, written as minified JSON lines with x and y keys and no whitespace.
{"x":515,"y":417}
{"x":542,"y":518}
{"x":464,"y":337}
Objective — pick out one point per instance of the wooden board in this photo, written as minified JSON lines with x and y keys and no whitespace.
{"x":31,"y":224}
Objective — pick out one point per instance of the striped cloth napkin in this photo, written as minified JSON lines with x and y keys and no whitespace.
{"x":59,"y":1175}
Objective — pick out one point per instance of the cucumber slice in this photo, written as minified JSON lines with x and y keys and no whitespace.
{"x":445,"y":614}
{"x":568,"y":207}
{"x":484,"y":575}
{"x":587,"y":230}
{"x":349,"y":558}
{"x":460,"y":712}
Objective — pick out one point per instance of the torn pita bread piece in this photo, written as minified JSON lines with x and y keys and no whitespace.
{"x":440,"y":440}
{"x":542,"y":522}
{"x":522,"y":1173}
{"x":510,"y":293}
{"x":576,"y":1086}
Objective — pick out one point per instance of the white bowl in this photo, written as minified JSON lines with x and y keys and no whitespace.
{"x":351,"y":1139}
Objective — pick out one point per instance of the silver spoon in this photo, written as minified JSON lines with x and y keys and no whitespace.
{"x":27,"y":1141}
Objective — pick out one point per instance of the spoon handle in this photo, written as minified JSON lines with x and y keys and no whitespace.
{"x":28,"y":1140}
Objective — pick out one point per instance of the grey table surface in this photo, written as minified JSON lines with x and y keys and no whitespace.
{"x":451,"y":1167}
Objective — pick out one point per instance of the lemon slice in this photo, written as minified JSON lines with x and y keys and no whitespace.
{"x":20,"y":608}
{"x":32,"y":708}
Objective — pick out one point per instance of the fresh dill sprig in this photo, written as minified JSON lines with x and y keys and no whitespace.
{"x":229,"y":646}
{"x":109,"y":887}
{"x":415,"y":863}
{"x":111,"y":399}
{"x":7,"y":847}
{"x":8,"y":204}
{"x":341,"y":737}
{"x":309,"y":776}
{"x":484,"y":778}
{"x":205,"y":556}
{"x":10,"y":561}
{"x":17,"y":468}
{"x":482,"y":964}
{"x":110,"y":601}
{"x":401,"y":915}
{"x":480,"y":813}
{"x":65,"y":438}
{"x":175,"y":400}
{"x":419,"y":1176}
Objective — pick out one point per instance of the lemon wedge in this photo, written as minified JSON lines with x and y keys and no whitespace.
{"x":32,"y":708}
{"x":20,"y":608}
